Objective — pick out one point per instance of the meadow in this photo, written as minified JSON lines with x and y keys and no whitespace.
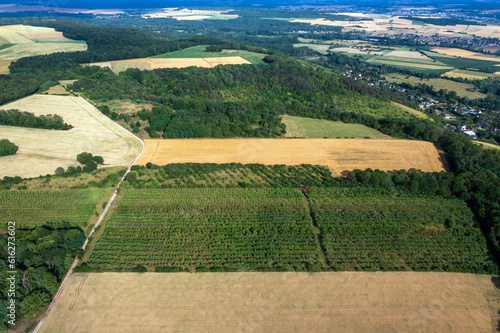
{"x":301,"y":127}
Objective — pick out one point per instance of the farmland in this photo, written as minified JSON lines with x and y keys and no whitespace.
{"x":338,"y":154}
{"x":42,"y":151}
{"x":190,"y":15}
{"x":462,"y":59}
{"x":272,"y":229}
{"x":470,"y":75}
{"x":218,"y":229}
{"x":155,"y":63}
{"x":321,"y":48}
{"x":34,"y":208}
{"x":31,"y":41}
{"x":182,"y":175}
{"x":193,"y":56}
{"x":410,"y":59}
{"x":376,"y":24}
{"x":301,"y":127}
{"x":276,"y":302}
{"x":362,"y":231}
{"x":462,"y":89}
{"x":199,"y":52}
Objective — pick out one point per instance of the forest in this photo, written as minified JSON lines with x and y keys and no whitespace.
{"x":43,"y":255}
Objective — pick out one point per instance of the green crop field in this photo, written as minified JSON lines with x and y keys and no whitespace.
{"x":217,"y":229}
{"x":301,"y":127}
{"x":461,"y":62}
{"x":199,"y":52}
{"x":262,"y":229}
{"x":33,"y":208}
{"x":363,"y":231}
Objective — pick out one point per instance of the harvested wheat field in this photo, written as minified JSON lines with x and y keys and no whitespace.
{"x":276,"y":302}
{"x":42,"y":151}
{"x":338,"y":154}
{"x":154,"y":63}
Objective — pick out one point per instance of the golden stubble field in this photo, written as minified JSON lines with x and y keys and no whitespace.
{"x":154,"y":63}
{"x":338,"y":154}
{"x":42,"y":151}
{"x":276,"y":302}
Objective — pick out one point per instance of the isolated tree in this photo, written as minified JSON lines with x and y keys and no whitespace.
{"x":7,"y":148}
{"x":84,"y":158}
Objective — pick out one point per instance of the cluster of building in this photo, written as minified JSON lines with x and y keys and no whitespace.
{"x":449,"y":111}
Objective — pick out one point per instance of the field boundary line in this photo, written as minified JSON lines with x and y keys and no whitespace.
{"x":101,"y":218}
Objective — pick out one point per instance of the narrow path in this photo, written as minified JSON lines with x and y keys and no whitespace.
{"x":316,"y":229}
{"x":101,"y":218}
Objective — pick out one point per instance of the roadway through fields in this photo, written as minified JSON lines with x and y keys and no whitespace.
{"x":101,"y":218}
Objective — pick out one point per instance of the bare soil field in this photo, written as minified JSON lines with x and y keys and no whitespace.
{"x":42,"y":151}
{"x":154,"y":63}
{"x":338,"y":154}
{"x":276,"y":302}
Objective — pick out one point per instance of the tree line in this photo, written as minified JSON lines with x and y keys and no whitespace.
{"x":15,"y":117}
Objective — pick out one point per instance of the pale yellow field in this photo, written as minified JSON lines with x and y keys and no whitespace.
{"x":33,"y":49}
{"x":408,"y":54}
{"x":465,"y":54}
{"x":471,"y":75}
{"x":386,"y":24}
{"x":25,"y":46}
{"x":154,"y":63}
{"x":191,"y":15}
{"x":338,"y":154}
{"x":276,"y":302}
{"x":4,"y":66}
{"x":42,"y":151}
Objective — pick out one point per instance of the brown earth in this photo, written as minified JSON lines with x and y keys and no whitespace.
{"x":338,"y":154}
{"x":276,"y":302}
